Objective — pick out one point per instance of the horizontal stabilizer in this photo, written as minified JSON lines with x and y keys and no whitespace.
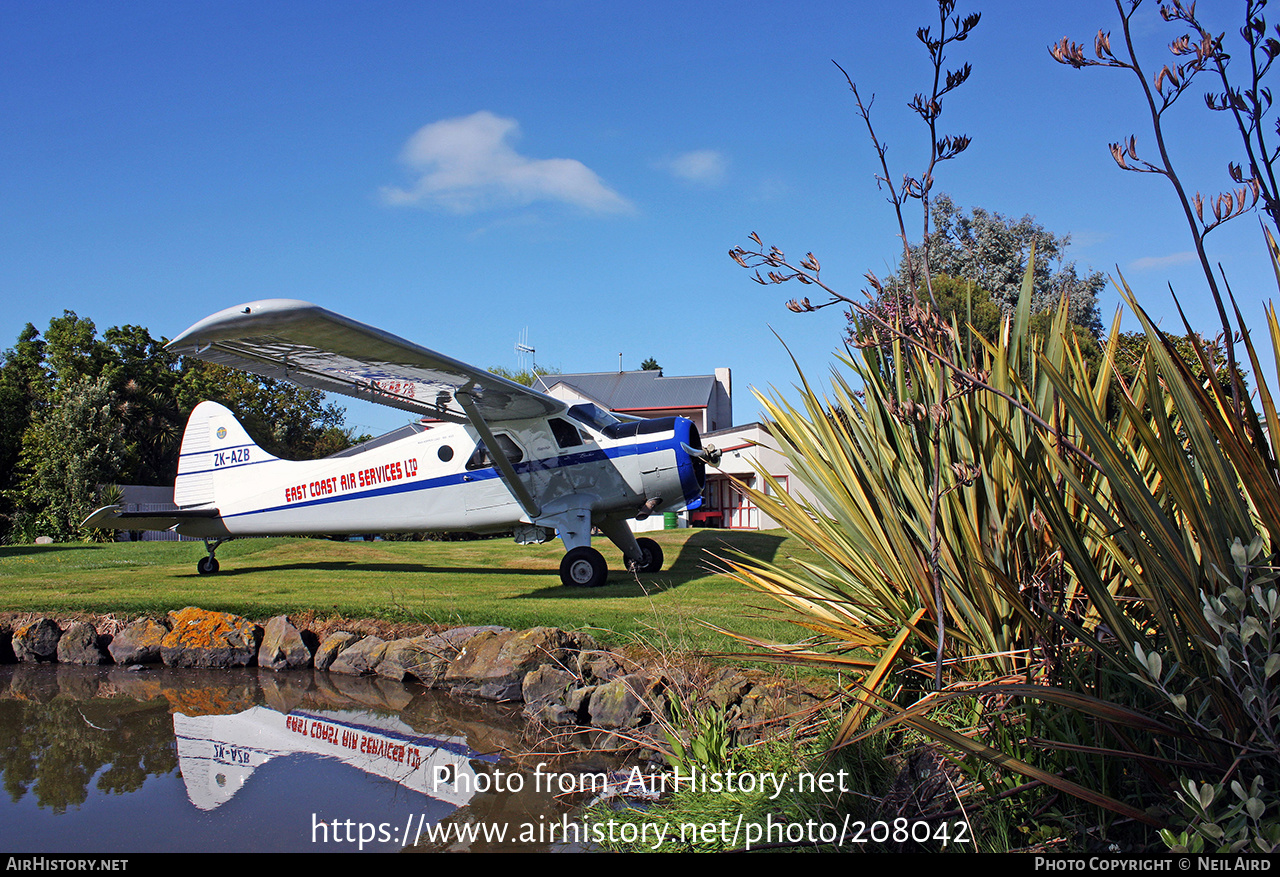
{"x":112,"y":518}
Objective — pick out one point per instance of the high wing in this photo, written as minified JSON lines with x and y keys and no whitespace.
{"x":307,"y":345}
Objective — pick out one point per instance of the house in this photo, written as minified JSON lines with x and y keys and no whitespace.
{"x":745,"y":451}
{"x":707,"y":400}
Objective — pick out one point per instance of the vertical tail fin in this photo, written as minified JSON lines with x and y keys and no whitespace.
{"x":214,"y":446}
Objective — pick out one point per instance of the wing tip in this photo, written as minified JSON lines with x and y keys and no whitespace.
{"x":230,"y":320}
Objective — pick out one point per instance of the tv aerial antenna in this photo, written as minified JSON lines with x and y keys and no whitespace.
{"x":525,"y":351}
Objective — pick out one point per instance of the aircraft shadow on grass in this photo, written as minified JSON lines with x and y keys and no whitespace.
{"x":691,"y":562}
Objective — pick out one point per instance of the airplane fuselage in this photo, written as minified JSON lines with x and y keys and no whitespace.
{"x":440,"y":478}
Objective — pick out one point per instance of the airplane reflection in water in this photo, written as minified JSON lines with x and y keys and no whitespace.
{"x":218,"y":754}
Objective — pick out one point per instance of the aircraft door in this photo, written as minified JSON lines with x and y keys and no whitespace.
{"x":488,"y":499}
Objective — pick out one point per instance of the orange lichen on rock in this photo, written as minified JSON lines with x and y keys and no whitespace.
{"x":200,"y":638}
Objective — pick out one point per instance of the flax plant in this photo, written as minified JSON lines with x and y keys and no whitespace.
{"x":921,"y":515}
{"x":1179,"y":560}
{"x":1108,"y":562}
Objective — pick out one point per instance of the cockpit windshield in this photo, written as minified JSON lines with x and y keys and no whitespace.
{"x":592,"y":416}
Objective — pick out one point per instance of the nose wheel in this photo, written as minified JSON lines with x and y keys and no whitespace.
{"x":650,"y":557}
{"x":583,"y":567}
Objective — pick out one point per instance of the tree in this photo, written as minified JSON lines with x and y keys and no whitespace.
{"x":962,"y":303}
{"x":21,"y":383}
{"x":991,"y":250}
{"x":287,"y":421}
{"x":1133,"y":348}
{"x":72,"y":350}
{"x":78,"y":411}
{"x":650,"y":365}
{"x":67,"y":452}
{"x":145,"y":378}
{"x":527,"y":377}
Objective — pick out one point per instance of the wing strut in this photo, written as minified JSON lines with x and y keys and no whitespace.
{"x":500,"y":460}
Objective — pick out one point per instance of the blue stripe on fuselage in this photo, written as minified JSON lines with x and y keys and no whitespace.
{"x":522,"y":468}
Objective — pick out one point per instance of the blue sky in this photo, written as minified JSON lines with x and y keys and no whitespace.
{"x":457,"y":173}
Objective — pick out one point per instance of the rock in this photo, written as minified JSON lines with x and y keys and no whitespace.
{"x":32,"y":684}
{"x":37,"y":641}
{"x":547,"y":684}
{"x":334,"y":645}
{"x":427,"y":657}
{"x":200,"y":638}
{"x":138,"y":643}
{"x":550,"y":713}
{"x":415,"y":657}
{"x":493,"y":665}
{"x":205,"y":693}
{"x":80,"y":644}
{"x":596,"y":666}
{"x":457,"y":637}
{"x":370,"y":691}
{"x":284,"y":692}
{"x":769,"y":702}
{"x":578,"y":700}
{"x":283,"y":647}
{"x":728,"y":689}
{"x":74,"y":684}
{"x":361,"y":658}
{"x":626,"y":702}
{"x":546,"y":692}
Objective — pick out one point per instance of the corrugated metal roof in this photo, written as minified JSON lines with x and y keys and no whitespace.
{"x":638,"y":390}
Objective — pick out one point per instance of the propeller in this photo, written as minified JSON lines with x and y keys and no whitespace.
{"x":709,"y":454}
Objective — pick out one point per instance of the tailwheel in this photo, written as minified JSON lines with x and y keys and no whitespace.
{"x":583,"y":567}
{"x":208,"y":566}
{"x":650,"y":557}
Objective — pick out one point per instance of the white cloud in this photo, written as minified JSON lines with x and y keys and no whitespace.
{"x":1152,"y":262}
{"x":468,"y":164}
{"x":699,"y":166}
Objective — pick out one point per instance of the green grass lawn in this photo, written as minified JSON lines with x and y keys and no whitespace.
{"x":492,"y":581}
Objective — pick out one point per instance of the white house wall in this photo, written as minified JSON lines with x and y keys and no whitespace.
{"x":752,"y":444}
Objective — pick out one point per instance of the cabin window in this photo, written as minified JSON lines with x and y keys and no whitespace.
{"x":567,"y":435}
{"x":445,"y":453}
{"x":481,"y":459}
{"x":592,"y":416}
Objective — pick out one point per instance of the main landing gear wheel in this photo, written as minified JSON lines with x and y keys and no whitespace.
{"x":207,"y":566}
{"x":583,"y":567}
{"x":651,"y":557}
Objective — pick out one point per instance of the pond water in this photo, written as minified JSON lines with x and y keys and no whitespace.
{"x":100,"y":760}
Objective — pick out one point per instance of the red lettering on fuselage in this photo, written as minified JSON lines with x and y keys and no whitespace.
{"x":371,"y":477}
{"x":383,"y":474}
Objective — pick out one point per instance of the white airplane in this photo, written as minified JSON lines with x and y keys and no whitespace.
{"x":497,"y":456}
